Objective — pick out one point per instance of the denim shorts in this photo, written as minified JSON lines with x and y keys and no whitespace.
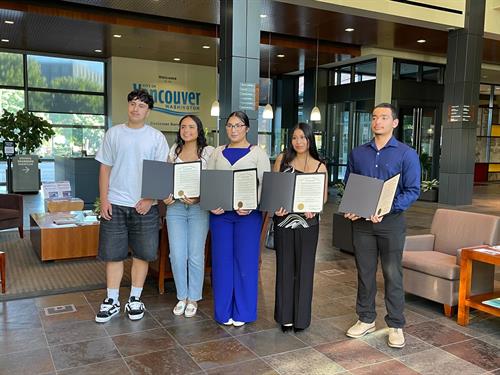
{"x":129,"y":229}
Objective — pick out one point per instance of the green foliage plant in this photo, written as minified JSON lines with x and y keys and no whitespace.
{"x":27,"y":130}
{"x":429,"y":185}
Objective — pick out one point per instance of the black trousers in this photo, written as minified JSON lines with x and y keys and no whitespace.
{"x":295,"y":258}
{"x":385,"y":239}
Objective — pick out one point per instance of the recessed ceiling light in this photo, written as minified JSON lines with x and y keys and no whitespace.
{"x":177,"y":59}
{"x":117,"y":35}
{"x":263,"y":16}
{"x":349,"y":30}
{"x":485,"y":76}
{"x":280,"y":55}
{"x":421,"y":41}
{"x":205,"y":47}
{"x":98,"y":50}
{"x":5,"y":40}
{"x":8,"y":22}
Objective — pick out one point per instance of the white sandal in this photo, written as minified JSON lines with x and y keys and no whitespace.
{"x":180,"y":308}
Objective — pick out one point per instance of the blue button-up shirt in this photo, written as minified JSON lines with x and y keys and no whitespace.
{"x":395,"y":157}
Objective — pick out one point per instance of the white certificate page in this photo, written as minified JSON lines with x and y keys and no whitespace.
{"x":187,"y":179}
{"x":309,"y":192}
{"x":387,"y":196}
{"x":245,"y":189}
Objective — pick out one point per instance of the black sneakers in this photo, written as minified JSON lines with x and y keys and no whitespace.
{"x":134,"y":308}
{"x":108,"y":309}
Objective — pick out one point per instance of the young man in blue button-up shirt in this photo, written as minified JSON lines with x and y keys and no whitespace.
{"x":382,"y":158}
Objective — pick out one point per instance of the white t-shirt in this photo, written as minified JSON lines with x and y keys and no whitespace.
{"x":124,"y":149}
{"x":205,"y":155}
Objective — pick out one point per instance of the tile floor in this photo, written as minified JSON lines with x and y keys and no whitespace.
{"x":71,"y":343}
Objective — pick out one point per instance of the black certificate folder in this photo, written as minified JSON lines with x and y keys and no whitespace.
{"x":157,"y":179}
{"x":228,"y":189}
{"x":367,"y":196}
{"x":295,"y":192}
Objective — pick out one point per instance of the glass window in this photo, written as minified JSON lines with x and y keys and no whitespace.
{"x":65,"y":74}
{"x":484,"y":95}
{"x":265,"y":142}
{"x":11,"y":73}
{"x":300,"y":114}
{"x":11,"y":100}
{"x":265,"y":90}
{"x":345,"y":75}
{"x":496,"y":98}
{"x":66,"y":103}
{"x":481,"y":144}
{"x":73,"y":119}
{"x":365,"y":71}
{"x":431,"y":73}
{"x":265,"y":125}
{"x":301,"y":90}
{"x":408,"y":71}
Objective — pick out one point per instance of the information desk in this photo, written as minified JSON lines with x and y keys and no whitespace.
{"x":483,"y":254}
{"x":77,"y":236}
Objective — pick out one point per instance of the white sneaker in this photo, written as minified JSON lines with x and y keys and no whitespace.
{"x":360,"y":329}
{"x":238,"y":324}
{"x":229,"y":322}
{"x":179,"y":308}
{"x":191,"y":309}
{"x":396,"y":338}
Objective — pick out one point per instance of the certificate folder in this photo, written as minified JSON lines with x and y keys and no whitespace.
{"x":219,"y":188}
{"x":157,"y":179}
{"x":294,"y":192}
{"x":160,"y":179}
{"x":367,"y":196}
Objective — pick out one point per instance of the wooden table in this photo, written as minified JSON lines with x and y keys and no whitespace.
{"x":485,"y":254}
{"x":53,"y":242}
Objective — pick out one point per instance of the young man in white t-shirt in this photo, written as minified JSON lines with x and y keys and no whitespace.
{"x":128,"y":220}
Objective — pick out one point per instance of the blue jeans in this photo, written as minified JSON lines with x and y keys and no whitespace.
{"x":187,"y":232}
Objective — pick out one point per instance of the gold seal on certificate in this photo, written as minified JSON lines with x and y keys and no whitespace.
{"x":300,"y":206}
{"x":181,"y":193}
{"x":240,"y":204}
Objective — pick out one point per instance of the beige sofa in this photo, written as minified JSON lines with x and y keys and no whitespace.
{"x":431,"y":262}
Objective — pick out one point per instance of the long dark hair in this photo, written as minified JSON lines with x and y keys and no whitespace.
{"x":201,"y":141}
{"x":289,"y":154}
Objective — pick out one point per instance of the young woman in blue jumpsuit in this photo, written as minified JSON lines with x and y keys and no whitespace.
{"x":236,"y":234}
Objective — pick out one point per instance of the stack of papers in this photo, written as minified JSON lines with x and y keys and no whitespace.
{"x":65,"y":221}
{"x":495,"y":302}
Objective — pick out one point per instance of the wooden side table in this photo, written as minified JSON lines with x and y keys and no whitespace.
{"x":485,"y":254}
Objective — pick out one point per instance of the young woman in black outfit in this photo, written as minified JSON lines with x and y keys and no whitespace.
{"x":296,"y":237}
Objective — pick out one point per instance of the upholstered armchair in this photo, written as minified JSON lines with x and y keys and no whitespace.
{"x":431,"y":262}
{"x":11,"y":212}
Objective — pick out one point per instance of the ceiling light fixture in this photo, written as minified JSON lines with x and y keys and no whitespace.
{"x":349,"y":30}
{"x":177,"y":59}
{"x":263,"y":16}
{"x":280,"y":55}
{"x":9,"y":22}
{"x":98,"y":50}
{"x":5,"y":40}
{"x":117,"y":35}
{"x":315,"y":113}
{"x":421,"y":41}
{"x":215,"y":109}
{"x":205,"y":47}
{"x":268,"y":109}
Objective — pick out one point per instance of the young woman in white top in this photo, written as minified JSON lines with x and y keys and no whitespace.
{"x":187,"y":223}
{"x":236,"y":234}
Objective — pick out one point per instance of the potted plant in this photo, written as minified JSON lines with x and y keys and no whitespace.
{"x":429,"y":190}
{"x":28,"y":131}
